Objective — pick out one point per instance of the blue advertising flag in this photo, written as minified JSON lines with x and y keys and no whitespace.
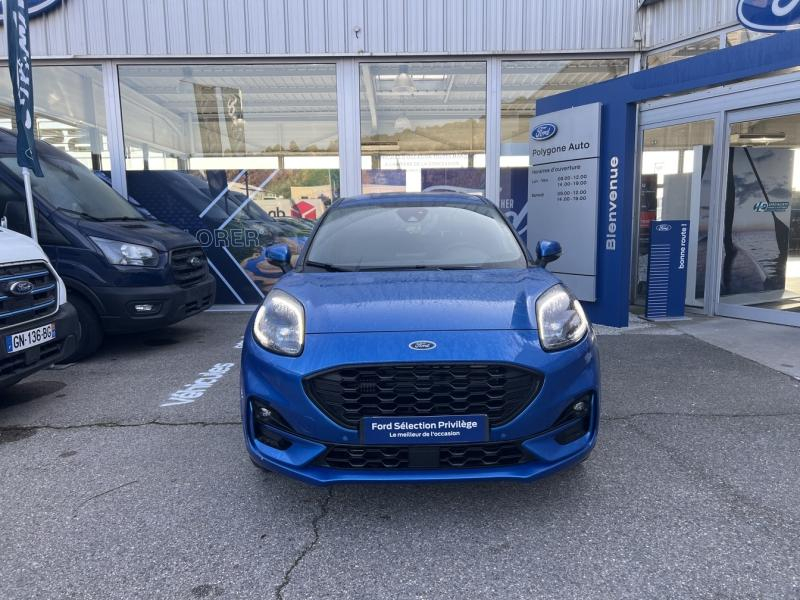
{"x":19,"y":64}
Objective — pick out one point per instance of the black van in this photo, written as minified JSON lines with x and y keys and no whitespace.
{"x":123,"y":272}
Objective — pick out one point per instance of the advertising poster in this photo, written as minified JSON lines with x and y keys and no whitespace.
{"x":514,"y":198}
{"x":465,"y":181}
{"x":757,"y":222}
{"x":378,"y":181}
{"x":219,"y":208}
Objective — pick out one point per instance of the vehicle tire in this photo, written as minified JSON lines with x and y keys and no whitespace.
{"x":91,"y":335}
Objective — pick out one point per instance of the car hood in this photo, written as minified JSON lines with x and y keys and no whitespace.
{"x":155,"y":234}
{"x":419,"y":300}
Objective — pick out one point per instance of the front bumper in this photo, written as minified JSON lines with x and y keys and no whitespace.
{"x":300,"y":444}
{"x":18,"y":365}
{"x":174,"y":303}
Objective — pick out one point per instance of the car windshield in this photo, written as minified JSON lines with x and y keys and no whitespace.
{"x":71,"y":187}
{"x":414,"y":235}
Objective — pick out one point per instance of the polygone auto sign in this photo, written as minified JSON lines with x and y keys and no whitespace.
{"x":38,"y":7}
{"x":769,"y":15}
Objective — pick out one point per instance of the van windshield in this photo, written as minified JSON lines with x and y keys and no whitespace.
{"x":71,"y":187}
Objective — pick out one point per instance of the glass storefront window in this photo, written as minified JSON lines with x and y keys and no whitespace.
{"x":742,"y":36}
{"x":688,"y":51}
{"x":70,"y":111}
{"x":423,"y":126}
{"x":761,"y":231}
{"x":675,"y":183}
{"x":242,"y":156}
{"x":523,"y":83}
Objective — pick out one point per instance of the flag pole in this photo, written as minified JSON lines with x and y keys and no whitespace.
{"x":26,"y":177}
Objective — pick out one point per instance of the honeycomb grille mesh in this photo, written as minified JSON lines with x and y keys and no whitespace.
{"x":348,"y":394}
{"x":402,"y":457}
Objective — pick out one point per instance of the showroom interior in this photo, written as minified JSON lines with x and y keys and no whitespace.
{"x":266,"y":120}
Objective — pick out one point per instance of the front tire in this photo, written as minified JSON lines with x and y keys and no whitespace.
{"x":91,"y":335}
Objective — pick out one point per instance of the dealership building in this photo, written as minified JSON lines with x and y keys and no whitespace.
{"x":216,"y":116}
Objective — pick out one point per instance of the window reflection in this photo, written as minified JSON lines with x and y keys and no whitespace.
{"x":423,"y":126}
{"x":70,"y":111}
{"x":242,"y":156}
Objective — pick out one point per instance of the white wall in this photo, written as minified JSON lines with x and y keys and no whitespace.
{"x":668,"y":21}
{"x":103,"y":28}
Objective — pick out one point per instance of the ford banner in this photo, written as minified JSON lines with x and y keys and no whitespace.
{"x":19,"y":64}
{"x":769,"y":16}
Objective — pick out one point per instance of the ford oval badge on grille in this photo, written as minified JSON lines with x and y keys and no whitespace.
{"x":21,"y":288}
{"x":195,"y":261}
{"x":422,"y":345}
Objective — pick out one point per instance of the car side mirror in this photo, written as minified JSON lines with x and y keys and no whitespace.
{"x":280,"y":256}
{"x":547,"y":251}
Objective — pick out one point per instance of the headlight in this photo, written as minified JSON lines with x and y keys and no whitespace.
{"x":280,"y":324}
{"x":123,"y":253}
{"x":561,"y":320}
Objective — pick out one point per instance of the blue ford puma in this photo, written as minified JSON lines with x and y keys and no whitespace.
{"x":417,"y":340}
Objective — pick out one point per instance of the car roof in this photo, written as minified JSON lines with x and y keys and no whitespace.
{"x":412,"y":197}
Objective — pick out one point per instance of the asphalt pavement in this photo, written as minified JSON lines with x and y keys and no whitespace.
{"x":113,"y":489}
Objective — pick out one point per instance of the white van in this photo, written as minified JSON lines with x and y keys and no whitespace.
{"x":38,"y":327}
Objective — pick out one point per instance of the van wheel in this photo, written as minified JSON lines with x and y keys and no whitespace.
{"x":91,"y":335}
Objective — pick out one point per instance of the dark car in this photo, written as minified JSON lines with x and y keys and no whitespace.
{"x":123,"y":272}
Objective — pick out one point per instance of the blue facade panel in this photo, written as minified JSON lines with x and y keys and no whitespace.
{"x":620,"y":98}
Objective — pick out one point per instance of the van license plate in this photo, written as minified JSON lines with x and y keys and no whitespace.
{"x":33,"y":337}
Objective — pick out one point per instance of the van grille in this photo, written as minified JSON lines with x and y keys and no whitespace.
{"x":42,"y":301}
{"x":348,"y":394}
{"x":186,"y":273}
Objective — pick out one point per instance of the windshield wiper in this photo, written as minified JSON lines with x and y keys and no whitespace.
{"x":326,"y":266}
{"x":122,"y":219}
{"x":423,"y":268}
{"x":78,"y":213}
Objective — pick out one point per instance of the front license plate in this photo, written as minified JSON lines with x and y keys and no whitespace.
{"x":33,"y":337}
{"x":413,"y":431}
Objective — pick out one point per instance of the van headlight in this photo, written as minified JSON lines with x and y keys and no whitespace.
{"x":125,"y":254}
{"x":280,"y":324}
{"x":560,"y":318}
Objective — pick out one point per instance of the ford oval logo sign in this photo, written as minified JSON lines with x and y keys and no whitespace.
{"x":21,"y":288}
{"x":663,"y":227}
{"x":545,"y":131}
{"x":769,"y":15}
{"x":422,"y":345}
{"x":37,"y":7}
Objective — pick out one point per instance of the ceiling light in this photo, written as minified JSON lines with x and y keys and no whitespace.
{"x":404,"y":84}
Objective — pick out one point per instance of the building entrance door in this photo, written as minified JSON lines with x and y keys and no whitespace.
{"x":760,"y":252}
{"x":675,"y":182}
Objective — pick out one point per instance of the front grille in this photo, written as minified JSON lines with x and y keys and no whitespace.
{"x":42,"y":301}
{"x":421,"y":457}
{"x":196,"y":306}
{"x":186,"y":274}
{"x":348,"y":394}
{"x":19,"y":361}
